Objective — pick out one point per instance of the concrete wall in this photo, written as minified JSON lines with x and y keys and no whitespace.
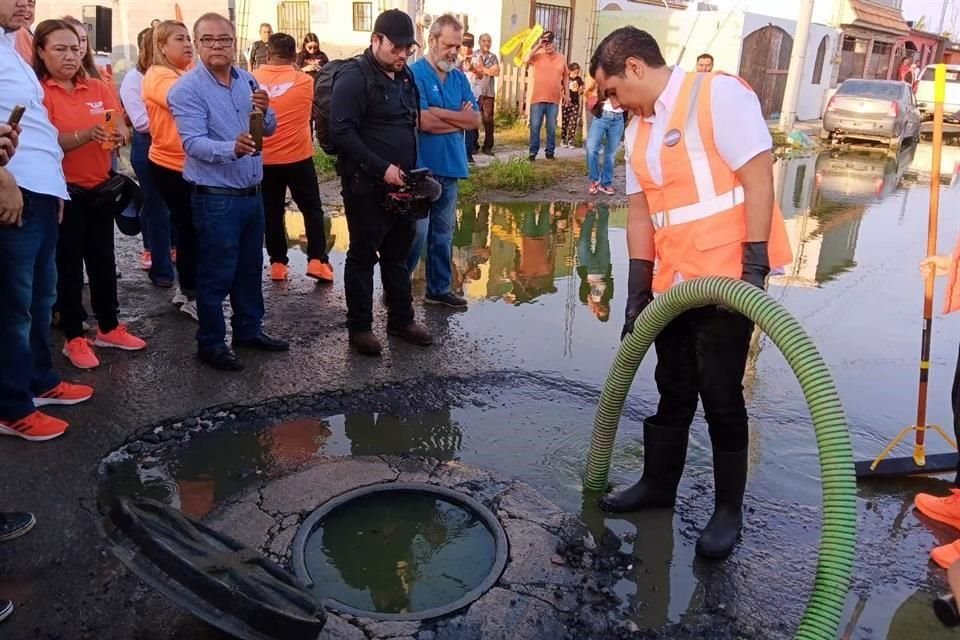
{"x":130,"y":17}
{"x":332,"y":21}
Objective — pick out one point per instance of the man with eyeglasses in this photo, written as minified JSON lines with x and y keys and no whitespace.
{"x":212,"y":105}
{"x":373,"y":121}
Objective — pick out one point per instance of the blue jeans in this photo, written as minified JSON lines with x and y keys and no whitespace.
{"x":437,"y":231}
{"x":604,"y":137}
{"x":28,"y":290}
{"x":539,"y":111}
{"x":154,"y":217}
{"x":229,"y":262}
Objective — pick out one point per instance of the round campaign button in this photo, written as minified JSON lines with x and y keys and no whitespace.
{"x":672,"y":137}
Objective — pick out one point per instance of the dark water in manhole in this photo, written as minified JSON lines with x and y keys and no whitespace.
{"x":419,"y":553}
{"x":540,"y":279}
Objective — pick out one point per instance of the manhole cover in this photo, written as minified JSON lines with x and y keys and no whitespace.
{"x":216,"y":578}
{"x":400,"y":551}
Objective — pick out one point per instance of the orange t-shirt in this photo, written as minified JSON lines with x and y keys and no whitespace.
{"x":24,"y":45}
{"x":548,"y":77}
{"x":291,"y":98}
{"x":89,"y":165}
{"x":166,"y":148}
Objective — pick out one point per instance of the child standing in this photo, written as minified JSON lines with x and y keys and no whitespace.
{"x":571,"y":113}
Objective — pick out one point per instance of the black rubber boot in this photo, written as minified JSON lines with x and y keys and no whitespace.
{"x":720,"y":535}
{"x":664,"y":454}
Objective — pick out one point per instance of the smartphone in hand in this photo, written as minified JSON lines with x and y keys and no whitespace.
{"x":109,"y":127}
{"x":16,"y":115}
{"x":256,"y":129}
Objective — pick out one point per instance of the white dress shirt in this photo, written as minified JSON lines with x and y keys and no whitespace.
{"x":37,"y":165}
{"x":739,"y":131}
{"x":131,"y":95}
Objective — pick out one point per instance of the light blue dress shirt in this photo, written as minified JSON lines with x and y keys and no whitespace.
{"x":210,"y":115}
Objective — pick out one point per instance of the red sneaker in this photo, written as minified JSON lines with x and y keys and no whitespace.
{"x":64,"y":394}
{"x":945,"y":510}
{"x":947,"y":554}
{"x":320,"y":271}
{"x":35,"y":427}
{"x":278,"y":272}
{"x":80,"y":355}
{"x":119,"y":338}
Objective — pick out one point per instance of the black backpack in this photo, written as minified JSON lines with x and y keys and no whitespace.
{"x":323,"y":91}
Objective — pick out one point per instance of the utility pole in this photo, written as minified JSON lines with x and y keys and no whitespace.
{"x":943,"y":16}
{"x":788,"y":112}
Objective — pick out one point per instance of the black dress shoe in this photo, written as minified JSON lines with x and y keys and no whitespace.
{"x":6,"y":608}
{"x":222,"y":359}
{"x":14,"y":525}
{"x":262,"y":342}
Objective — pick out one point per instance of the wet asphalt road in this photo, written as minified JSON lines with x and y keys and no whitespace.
{"x":858,"y":257}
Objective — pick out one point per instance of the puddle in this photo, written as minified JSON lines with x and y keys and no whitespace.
{"x":546,"y":284}
{"x":419,"y":553}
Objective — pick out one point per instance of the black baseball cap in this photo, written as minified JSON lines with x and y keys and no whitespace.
{"x":397,"y":27}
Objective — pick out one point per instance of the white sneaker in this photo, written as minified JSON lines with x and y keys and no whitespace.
{"x":179,"y":298}
{"x":190,"y":308}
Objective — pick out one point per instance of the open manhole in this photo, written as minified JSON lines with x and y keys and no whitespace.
{"x":400,"y":551}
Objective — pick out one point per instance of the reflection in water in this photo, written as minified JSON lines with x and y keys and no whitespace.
{"x":414,"y":551}
{"x":432,"y":434}
{"x":823,"y":199}
{"x":219,"y":464}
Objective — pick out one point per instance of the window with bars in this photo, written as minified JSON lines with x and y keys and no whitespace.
{"x":556,"y":19}
{"x":363,"y":16}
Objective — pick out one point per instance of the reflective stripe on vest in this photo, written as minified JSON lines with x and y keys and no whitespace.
{"x":699,"y":210}
{"x":709,"y":202}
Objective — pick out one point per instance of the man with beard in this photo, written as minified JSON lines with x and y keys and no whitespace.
{"x":373,"y":127}
{"x":447,"y":110}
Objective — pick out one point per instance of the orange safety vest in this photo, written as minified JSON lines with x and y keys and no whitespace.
{"x":698,"y":211}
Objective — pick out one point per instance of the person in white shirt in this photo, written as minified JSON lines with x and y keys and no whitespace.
{"x":28,"y":245}
{"x":701,"y":203}
{"x":154,"y":216}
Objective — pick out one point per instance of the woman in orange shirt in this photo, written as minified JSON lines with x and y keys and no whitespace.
{"x":77,"y":106}
{"x":173,"y":54}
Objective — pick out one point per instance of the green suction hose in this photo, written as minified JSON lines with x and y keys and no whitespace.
{"x":821,"y":620}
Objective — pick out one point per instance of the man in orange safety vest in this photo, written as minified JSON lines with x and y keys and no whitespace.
{"x":701,"y":203}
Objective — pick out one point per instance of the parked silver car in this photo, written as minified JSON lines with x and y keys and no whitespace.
{"x":875,"y":110}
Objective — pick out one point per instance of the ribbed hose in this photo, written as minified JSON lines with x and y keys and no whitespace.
{"x":821,"y":620}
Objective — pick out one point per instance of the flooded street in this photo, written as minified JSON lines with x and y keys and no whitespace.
{"x":546,"y":284}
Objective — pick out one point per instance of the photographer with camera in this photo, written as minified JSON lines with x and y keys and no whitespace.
{"x":373,"y":120}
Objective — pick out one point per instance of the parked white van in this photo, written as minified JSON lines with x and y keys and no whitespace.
{"x":951,"y":102}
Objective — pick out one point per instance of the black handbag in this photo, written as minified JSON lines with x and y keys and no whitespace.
{"x":113,"y":197}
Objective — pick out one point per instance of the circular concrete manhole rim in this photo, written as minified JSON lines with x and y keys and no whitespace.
{"x":490,"y":521}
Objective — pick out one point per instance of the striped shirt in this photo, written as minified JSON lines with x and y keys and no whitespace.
{"x":210,"y":115}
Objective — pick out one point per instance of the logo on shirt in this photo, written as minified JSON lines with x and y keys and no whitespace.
{"x":672,"y":138}
{"x":277,"y":90}
{"x":96,"y":107}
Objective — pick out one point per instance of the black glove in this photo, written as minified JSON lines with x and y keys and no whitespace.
{"x":756,"y":264}
{"x":639,"y":292}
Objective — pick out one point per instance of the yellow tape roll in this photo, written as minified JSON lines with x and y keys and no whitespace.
{"x":940,"y":83}
{"x":508,"y":47}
